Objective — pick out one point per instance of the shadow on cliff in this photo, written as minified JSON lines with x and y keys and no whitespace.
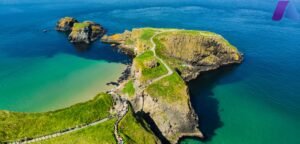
{"x":203,"y":101}
{"x":154,"y":128}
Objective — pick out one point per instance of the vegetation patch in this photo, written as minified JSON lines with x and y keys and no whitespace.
{"x":147,"y":33}
{"x":102,"y":133}
{"x":135,"y":132}
{"x":129,"y":88}
{"x":80,"y":25}
{"x":171,"y":89}
{"x":148,"y":72}
{"x":14,"y":126}
{"x":142,"y":38}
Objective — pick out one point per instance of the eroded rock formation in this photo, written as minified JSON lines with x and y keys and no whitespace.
{"x":84,"y":32}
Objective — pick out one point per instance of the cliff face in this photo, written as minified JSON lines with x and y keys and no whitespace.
{"x":164,"y":59}
{"x":174,"y":119}
{"x":84,"y":32}
{"x":192,"y":52}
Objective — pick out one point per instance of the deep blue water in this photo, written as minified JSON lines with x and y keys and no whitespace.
{"x":255,"y":102}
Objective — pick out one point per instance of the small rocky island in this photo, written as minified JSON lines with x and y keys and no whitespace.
{"x":80,"y":32}
{"x":152,"y":105}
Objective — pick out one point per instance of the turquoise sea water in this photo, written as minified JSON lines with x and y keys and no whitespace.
{"x":257,"y":102}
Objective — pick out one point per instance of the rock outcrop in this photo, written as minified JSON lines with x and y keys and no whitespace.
{"x":65,"y":24}
{"x":198,"y":52}
{"x":84,"y":32}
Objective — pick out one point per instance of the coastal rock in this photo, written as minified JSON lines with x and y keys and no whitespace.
{"x":174,"y":121}
{"x":121,"y":41}
{"x":86,"y":32}
{"x":65,"y":24}
{"x":198,"y":52}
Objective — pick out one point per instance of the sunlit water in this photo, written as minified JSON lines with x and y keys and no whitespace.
{"x":252,"y":103}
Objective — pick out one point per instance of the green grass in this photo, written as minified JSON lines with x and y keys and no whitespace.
{"x":147,"y":34}
{"x":171,"y":89}
{"x":80,"y":25}
{"x":149,"y":73}
{"x":100,"y":134}
{"x":143,"y":39}
{"x":135,"y":132}
{"x":14,"y":125}
{"x":148,"y":55}
{"x":129,"y":88}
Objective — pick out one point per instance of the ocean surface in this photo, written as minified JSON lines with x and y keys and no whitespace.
{"x":256,"y":102}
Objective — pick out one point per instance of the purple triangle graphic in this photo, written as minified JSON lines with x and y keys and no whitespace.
{"x":291,"y":12}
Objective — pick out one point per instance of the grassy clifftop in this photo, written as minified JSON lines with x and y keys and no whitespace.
{"x":15,"y":126}
{"x":102,"y":133}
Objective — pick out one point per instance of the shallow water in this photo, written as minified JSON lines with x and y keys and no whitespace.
{"x":253,"y":103}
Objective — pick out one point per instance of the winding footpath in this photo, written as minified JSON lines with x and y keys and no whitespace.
{"x":60,"y":133}
{"x":170,"y":71}
{"x":122,"y":109}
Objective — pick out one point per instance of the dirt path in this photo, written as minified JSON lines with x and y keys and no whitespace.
{"x":153,"y":49}
{"x":62,"y":132}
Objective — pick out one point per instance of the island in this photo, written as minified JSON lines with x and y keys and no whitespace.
{"x":151,"y":106}
{"x":80,"y":32}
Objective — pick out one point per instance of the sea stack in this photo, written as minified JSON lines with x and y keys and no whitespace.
{"x":80,"y":32}
{"x":86,"y":32}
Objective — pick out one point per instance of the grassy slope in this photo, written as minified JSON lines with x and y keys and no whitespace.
{"x":129,"y":88}
{"x":19,"y":125}
{"x":130,"y":129}
{"x":102,"y":133}
{"x":144,"y":38}
{"x":171,"y":89}
{"x":135,"y":132}
{"x":149,"y":73}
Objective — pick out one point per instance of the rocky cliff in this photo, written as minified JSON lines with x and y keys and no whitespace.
{"x":164,"y":59}
{"x":192,"y":52}
{"x":84,"y":32}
